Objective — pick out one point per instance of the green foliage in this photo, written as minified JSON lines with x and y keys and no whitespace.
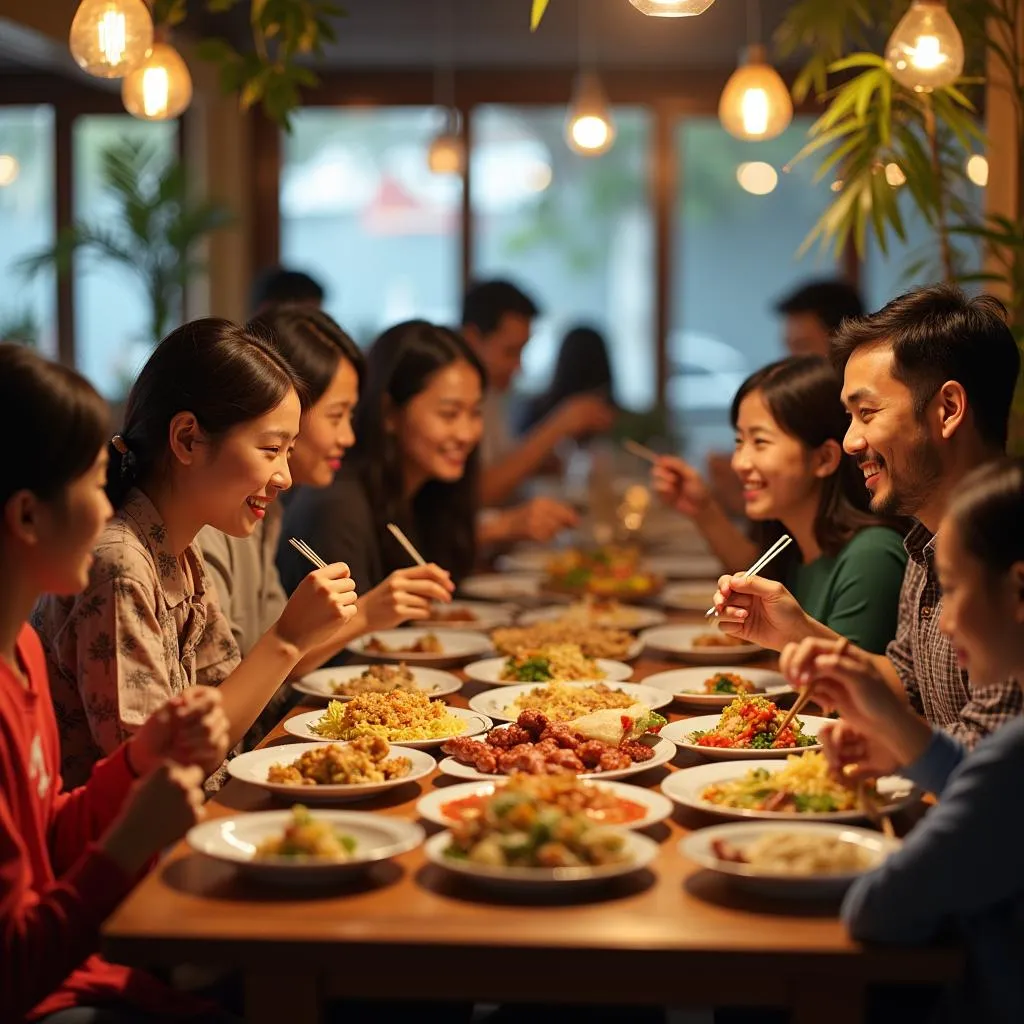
{"x":156,"y":236}
{"x":284,"y":32}
{"x":21,"y":327}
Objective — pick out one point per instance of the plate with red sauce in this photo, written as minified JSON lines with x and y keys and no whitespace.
{"x":717,"y":748}
{"x":627,"y":806}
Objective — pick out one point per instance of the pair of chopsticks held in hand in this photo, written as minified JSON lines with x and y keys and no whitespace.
{"x":307,"y":552}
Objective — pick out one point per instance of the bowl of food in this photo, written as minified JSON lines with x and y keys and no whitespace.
{"x":406,"y":719}
{"x":563,"y":702}
{"x":747,"y":729}
{"x":463,"y":615}
{"x":301,"y":846}
{"x":327,"y":684}
{"x":331,"y":771}
{"x":593,"y":641}
{"x":718,"y":686}
{"x":521,"y":839}
{"x":421,"y":646}
{"x":595,"y":612}
{"x":546,"y":664}
{"x":606,"y":572}
{"x":816,"y":860}
{"x":706,"y":644}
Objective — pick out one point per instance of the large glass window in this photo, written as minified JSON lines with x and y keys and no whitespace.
{"x":113,"y":317}
{"x":575,"y":232}
{"x":28,"y":309}
{"x":363,"y":213}
{"x":739,"y":223}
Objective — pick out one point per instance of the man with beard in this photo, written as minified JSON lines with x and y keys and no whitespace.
{"x":928,"y":382}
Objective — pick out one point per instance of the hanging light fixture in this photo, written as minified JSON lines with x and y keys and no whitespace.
{"x":110,"y":37}
{"x":447,"y":152}
{"x":925,"y":50}
{"x":160,"y":89}
{"x":672,"y":8}
{"x":755,"y":104}
{"x":589,"y":128}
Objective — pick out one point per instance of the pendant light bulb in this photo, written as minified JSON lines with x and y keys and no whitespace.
{"x":447,"y":153}
{"x":589,"y":128}
{"x":925,"y":50}
{"x":672,"y":8}
{"x":161,"y":88}
{"x":755,"y":103}
{"x":110,"y":37}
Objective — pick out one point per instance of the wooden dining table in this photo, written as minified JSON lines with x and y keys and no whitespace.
{"x":673,"y":935}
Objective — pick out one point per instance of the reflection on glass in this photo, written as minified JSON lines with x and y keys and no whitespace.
{"x":28,"y":311}
{"x":362,"y":212}
{"x":575,"y":232}
{"x":734,"y":256}
{"x":112,"y":311}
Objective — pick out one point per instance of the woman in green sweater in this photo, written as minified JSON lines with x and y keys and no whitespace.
{"x":845,"y":566}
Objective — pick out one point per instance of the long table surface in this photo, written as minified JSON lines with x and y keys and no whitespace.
{"x":673,"y":935}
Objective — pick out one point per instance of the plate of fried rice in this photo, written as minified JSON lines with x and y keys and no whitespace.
{"x":562,"y":702}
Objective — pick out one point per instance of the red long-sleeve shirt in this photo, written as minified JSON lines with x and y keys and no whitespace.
{"x":56,"y":885}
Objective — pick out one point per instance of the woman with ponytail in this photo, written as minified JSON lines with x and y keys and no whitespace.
{"x":208,"y":429}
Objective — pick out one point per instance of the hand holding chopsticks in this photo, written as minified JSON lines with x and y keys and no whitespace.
{"x":307,"y":552}
{"x":779,"y":546}
{"x":322,"y":603}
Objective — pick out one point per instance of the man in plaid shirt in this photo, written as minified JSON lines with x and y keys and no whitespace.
{"x":928,"y":382}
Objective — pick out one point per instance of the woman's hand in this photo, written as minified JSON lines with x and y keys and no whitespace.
{"x":323,"y":603}
{"x":762,"y":612}
{"x":190,"y":729}
{"x":404,"y":595}
{"x":680,"y":486}
{"x":159,"y":810}
{"x":539,"y":520}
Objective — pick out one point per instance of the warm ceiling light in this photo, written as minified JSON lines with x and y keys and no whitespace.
{"x":447,"y":153}
{"x":589,"y":128}
{"x":755,"y":103}
{"x":672,"y":8}
{"x":8,"y":169}
{"x":925,"y":50}
{"x":894,"y":175}
{"x":110,"y":37}
{"x":161,"y":88}
{"x":757,"y":177}
{"x":977,"y":170}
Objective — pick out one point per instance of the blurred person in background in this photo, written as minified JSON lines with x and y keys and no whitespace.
{"x":582,"y":368}
{"x":497,"y":319}
{"x":279,"y":286}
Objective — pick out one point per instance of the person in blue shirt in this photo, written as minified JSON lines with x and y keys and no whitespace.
{"x":959,"y":871}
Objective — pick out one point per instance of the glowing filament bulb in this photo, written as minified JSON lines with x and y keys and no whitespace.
{"x":755,"y":111}
{"x":113,"y":36}
{"x":155,"y":90}
{"x":927,"y":53}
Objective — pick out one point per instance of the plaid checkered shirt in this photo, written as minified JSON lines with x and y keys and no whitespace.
{"x":926,"y":663}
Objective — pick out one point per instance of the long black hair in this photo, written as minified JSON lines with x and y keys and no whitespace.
{"x":212,"y":368}
{"x":803,"y":395}
{"x":57,"y":421}
{"x":988,"y":511}
{"x":442,"y":515}
{"x":312,"y":344}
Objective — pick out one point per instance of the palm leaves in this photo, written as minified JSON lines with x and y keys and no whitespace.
{"x":155,"y":237}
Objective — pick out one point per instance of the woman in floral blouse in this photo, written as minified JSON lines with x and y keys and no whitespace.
{"x":208,"y":429}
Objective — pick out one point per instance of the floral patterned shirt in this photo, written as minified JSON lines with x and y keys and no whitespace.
{"x":147,"y":627}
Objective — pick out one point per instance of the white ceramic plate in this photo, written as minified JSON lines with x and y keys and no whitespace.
{"x":378,"y":838}
{"x":432,"y":805}
{"x":457,"y":646}
{"x":486,"y":616}
{"x":497,"y":704}
{"x":664,"y":751}
{"x":685,"y":788}
{"x":699,"y":847}
{"x":320,"y":684}
{"x":642,"y":850}
{"x":687,"y":685}
{"x":690,"y":596}
{"x":628,"y":617}
{"x":517,"y":587}
{"x":678,"y":641}
{"x":680,"y":734}
{"x":299,"y":725}
{"x":526,"y":560}
{"x":684,"y":567}
{"x":253,"y":767}
{"x":489,"y":671}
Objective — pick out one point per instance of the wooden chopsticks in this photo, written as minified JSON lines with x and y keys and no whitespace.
{"x":407,"y":544}
{"x":641,"y":451}
{"x":779,"y":546}
{"x":304,"y":549}
{"x":801,"y":702}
